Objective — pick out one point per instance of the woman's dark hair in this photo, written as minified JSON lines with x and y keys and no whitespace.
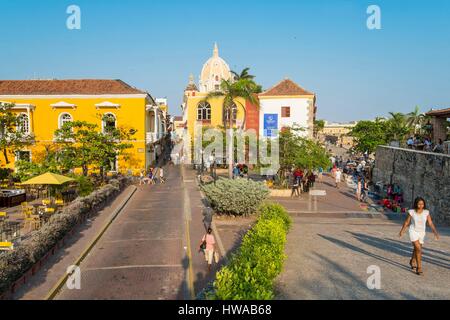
{"x":416,"y":203}
{"x":209,"y":230}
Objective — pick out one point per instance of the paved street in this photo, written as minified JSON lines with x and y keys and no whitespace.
{"x":141,"y":256}
{"x":328,"y":259}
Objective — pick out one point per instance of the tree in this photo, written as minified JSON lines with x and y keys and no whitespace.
{"x":397,"y":128}
{"x":415,"y":120}
{"x":230,"y":91}
{"x":300,"y":152}
{"x":13,"y":136}
{"x":83,"y":145}
{"x":319,"y":125}
{"x":369,"y":134}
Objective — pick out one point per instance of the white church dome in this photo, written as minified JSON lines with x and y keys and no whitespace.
{"x":214,"y":71}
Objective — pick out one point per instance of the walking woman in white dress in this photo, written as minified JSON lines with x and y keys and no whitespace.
{"x":417,"y":221}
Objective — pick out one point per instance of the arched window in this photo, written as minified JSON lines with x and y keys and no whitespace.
{"x":204,"y":111}
{"x":109,"y":122}
{"x":64,"y":118}
{"x":23,"y":123}
{"x":234,"y":113}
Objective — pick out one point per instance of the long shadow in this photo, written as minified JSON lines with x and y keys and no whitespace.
{"x":346,"y":245}
{"x":346,"y":284}
{"x":396,"y":247}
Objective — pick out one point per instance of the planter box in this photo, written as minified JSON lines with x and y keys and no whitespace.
{"x":280,"y":193}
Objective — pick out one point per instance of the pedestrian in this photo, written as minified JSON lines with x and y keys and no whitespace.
{"x":417,"y":220}
{"x":311,"y":179}
{"x":295,"y":186}
{"x":439,"y":147}
{"x":236,"y":172}
{"x":161,"y":176}
{"x":320,"y":174}
{"x":141,"y":178}
{"x":359,"y":188}
{"x":208,"y":244}
{"x":338,"y":176}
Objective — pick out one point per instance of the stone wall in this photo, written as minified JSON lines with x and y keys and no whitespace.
{"x":418,"y":174}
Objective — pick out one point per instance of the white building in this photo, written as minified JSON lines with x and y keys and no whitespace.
{"x":286,"y":105}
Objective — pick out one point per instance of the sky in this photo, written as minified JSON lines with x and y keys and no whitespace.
{"x":323,"y":45}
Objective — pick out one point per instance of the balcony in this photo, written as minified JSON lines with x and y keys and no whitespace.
{"x":152,"y":137}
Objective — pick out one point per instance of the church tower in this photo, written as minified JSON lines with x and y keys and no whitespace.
{"x":213,"y":72}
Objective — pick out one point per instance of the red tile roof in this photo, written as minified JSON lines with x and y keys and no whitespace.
{"x":286,"y":88}
{"x":439,"y":113}
{"x":66,"y":87}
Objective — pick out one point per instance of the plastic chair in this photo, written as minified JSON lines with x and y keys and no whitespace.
{"x":46,"y":202}
{"x":59,"y":202}
{"x":49,"y":210}
{"x":6,"y":246}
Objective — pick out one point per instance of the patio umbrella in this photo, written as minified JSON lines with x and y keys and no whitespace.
{"x":48,"y":179}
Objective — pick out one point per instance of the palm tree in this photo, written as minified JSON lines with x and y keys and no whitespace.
{"x":242,"y":86}
{"x":398,"y":128}
{"x":415,"y":120}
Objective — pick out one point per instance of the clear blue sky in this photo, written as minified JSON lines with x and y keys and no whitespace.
{"x":324,"y":45}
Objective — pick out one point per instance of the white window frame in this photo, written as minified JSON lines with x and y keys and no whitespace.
{"x":103,"y":121}
{"x":19,"y":127}
{"x":60,"y":123}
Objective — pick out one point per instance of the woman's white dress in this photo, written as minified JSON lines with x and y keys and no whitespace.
{"x":417,"y":228}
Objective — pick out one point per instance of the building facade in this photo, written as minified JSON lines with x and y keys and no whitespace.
{"x":45,"y":105}
{"x":284,"y":105}
{"x":197,"y":109}
{"x":337,"y":133}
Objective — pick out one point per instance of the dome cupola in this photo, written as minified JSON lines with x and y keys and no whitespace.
{"x":214,"y":71}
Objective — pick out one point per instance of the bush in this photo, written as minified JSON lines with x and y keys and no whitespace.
{"x":13,"y":264}
{"x":239,"y":197}
{"x":252,"y":270}
{"x":85,"y":185}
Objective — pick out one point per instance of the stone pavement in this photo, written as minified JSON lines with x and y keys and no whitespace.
{"x":141,"y":255}
{"x":337,"y":201}
{"x":328,"y":259}
{"x":55,"y":268}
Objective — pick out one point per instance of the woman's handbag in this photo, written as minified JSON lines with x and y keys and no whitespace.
{"x":203,"y":245}
{"x":216,"y":257}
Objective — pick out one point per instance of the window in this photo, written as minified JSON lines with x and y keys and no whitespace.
{"x":23,"y":156}
{"x":234,"y":112}
{"x":285,"y":112}
{"x":64,"y":118}
{"x":23,"y":123}
{"x":109,"y":122}
{"x":204,"y":111}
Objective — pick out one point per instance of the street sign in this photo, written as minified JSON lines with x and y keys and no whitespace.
{"x":320,"y":193}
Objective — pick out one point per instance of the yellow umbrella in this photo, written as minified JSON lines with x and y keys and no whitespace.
{"x":48,"y":179}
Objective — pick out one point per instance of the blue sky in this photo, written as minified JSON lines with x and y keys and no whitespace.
{"x":323,"y":45}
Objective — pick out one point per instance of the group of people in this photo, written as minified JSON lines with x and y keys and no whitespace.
{"x":151,"y":176}
{"x":302,"y":182}
{"x":425,"y":144}
{"x":240,"y":170}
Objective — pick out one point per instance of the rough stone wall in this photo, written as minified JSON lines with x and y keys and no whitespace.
{"x":418,"y":174}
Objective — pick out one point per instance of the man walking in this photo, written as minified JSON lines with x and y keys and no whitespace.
{"x":338,"y":176}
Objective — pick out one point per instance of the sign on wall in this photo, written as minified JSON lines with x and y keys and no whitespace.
{"x":270,"y":124}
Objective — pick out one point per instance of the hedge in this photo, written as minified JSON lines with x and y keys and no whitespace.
{"x":252,"y":270}
{"x":239,"y":197}
{"x":13,"y":264}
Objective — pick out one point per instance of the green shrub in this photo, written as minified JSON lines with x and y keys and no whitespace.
{"x":13,"y":264}
{"x":252,"y":270}
{"x":239,"y":197}
{"x":85,"y":185}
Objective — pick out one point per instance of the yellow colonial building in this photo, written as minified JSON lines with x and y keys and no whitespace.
{"x":196,"y":110}
{"x":284,"y":105}
{"x":45,"y":105}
